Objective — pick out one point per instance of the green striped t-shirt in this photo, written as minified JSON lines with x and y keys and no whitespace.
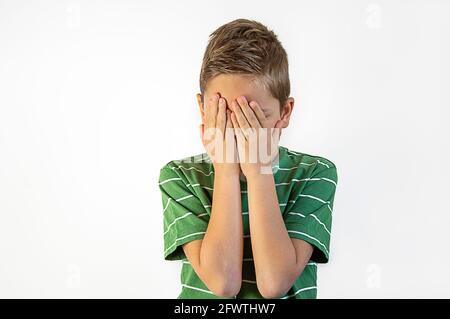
{"x":305,"y":186}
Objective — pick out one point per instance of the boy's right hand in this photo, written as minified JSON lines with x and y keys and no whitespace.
{"x":218,"y":136}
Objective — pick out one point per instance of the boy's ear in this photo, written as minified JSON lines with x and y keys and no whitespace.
{"x":200,"y":105}
{"x":287,"y":111}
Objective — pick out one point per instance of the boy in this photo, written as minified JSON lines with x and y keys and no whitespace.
{"x":243,"y":230}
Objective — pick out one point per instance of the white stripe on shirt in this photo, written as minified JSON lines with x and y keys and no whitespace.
{"x":298,"y":291}
{"x":309,"y":236}
{"x":315,"y":217}
{"x":170,"y":179}
{"x":181,"y":238}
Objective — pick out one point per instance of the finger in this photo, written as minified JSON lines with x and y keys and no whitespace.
{"x":211,"y":111}
{"x":229,"y":123}
{"x":240,"y":118}
{"x":240,"y":139}
{"x":237,"y":129}
{"x":221,"y":116}
{"x":258,"y":112}
{"x":230,"y":139}
{"x":248,"y":112}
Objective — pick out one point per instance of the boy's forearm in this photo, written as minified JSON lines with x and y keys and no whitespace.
{"x":222,"y":246}
{"x":274,"y":254}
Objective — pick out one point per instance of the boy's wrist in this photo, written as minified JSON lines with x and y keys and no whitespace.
{"x":259,"y":175}
{"x":226,"y":169}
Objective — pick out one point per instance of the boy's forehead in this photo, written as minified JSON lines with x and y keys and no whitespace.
{"x":231,"y":87}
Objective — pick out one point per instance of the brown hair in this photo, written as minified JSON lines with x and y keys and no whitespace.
{"x":247,"y":47}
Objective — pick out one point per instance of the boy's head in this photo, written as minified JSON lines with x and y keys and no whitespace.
{"x":243,"y":57}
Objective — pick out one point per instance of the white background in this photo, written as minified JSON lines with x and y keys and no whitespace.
{"x":96,"y":96}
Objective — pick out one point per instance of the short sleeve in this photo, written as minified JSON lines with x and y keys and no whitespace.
{"x":309,"y":217}
{"x":184,"y":216}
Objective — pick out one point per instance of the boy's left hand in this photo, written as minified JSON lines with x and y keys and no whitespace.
{"x":257,"y":143}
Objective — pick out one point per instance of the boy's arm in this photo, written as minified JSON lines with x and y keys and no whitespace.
{"x":278,"y":259}
{"x":217,"y":258}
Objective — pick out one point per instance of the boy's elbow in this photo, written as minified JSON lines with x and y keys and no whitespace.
{"x":230,"y":289}
{"x":271,"y":292}
{"x":227,"y":286}
{"x":273,"y":289}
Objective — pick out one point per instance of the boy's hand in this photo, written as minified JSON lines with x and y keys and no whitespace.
{"x":218,"y":136}
{"x":257,"y":144}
